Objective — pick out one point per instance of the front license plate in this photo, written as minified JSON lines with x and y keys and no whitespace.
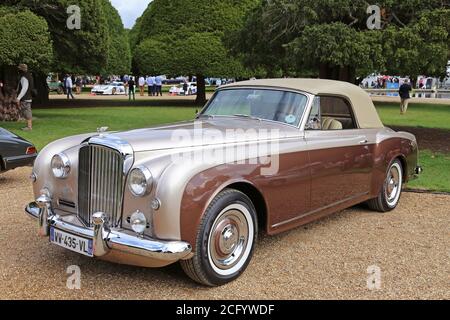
{"x":72,"y":242}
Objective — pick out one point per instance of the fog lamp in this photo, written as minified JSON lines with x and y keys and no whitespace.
{"x":138,"y":222}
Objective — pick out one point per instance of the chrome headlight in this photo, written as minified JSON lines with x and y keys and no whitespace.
{"x":60,"y":166}
{"x":140,"y":181}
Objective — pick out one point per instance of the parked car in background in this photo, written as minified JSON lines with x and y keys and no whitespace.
{"x":56,"y":86}
{"x":137,"y":198}
{"x":179,"y":90}
{"x":15,"y":151}
{"x":113,"y":88}
{"x":175,"y":81}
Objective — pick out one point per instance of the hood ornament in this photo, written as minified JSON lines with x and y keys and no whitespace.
{"x":101,"y":131}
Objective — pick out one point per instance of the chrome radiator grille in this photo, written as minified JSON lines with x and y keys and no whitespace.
{"x":100,"y":183}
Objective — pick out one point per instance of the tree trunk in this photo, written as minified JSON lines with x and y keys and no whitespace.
{"x":346,"y":73}
{"x":201,"y":90}
{"x":324,"y":71}
{"x":9,"y":108}
{"x":40,"y":84}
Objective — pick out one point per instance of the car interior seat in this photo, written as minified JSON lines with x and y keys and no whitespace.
{"x":331,"y":124}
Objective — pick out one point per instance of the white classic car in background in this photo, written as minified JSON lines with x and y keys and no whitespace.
{"x":179,"y":90}
{"x":113,"y":88}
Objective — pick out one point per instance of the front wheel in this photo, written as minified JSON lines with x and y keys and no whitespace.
{"x":225,"y":240}
{"x":391,"y":192}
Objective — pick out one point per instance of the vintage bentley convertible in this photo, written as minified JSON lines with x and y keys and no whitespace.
{"x":139,"y":197}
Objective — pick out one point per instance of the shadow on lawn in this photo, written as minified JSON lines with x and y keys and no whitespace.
{"x":83,"y":103}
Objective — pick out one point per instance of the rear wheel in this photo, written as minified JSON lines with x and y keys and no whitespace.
{"x":225,"y":240}
{"x":390,"y":194}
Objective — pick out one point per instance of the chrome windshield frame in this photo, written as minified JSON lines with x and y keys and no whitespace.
{"x":301,"y":123}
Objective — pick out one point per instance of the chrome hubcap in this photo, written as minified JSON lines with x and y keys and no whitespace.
{"x":393,"y":184}
{"x":229,"y":239}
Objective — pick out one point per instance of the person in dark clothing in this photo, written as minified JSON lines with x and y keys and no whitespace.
{"x":131,"y":89}
{"x":185,"y":88}
{"x":404,"y":92}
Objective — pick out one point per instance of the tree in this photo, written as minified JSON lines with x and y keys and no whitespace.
{"x":332,"y":37}
{"x":74,"y":51}
{"x":18,"y":31}
{"x":187,"y":37}
{"x":119,"y":54}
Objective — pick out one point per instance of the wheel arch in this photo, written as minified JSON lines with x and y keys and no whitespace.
{"x":404,"y":164}
{"x":257,"y":199}
{"x":192,"y":211}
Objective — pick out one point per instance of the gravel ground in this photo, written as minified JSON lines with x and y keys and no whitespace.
{"x":324,"y":260}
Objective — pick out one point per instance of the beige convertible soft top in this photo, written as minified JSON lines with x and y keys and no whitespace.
{"x":363,"y":106}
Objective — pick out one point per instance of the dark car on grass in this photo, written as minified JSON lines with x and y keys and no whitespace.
{"x":15,"y":151}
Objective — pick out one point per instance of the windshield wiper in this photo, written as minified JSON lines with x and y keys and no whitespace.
{"x":209,"y":116}
{"x":247,"y":116}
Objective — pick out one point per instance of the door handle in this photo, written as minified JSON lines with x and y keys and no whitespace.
{"x":364,"y":141}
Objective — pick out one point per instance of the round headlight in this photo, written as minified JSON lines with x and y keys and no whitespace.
{"x":138,"y":222}
{"x":60,"y":166}
{"x":140,"y":181}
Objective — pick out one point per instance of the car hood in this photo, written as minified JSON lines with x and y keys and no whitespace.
{"x":204,"y":132}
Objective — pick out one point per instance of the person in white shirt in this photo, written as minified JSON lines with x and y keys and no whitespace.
{"x":151,"y":84}
{"x":141,"y":85}
{"x":25,"y":97}
{"x":158,"y":83}
{"x":69,"y":86}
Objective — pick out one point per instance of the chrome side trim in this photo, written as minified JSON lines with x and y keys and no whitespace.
{"x":318,"y":210}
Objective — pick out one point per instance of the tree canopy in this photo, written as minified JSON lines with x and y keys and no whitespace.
{"x":184,"y":37}
{"x":331,"y":37}
{"x":36,"y":33}
{"x":17,"y":31}
{"x":95,"y":48}
{"x":119,"y":53}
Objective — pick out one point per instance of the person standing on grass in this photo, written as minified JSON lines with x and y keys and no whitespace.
{"x":25,"y":97}
{"x":150,"y":83}
{"x":126,"y":78}
{"x":78,"y":84}
{"x":185,"y":87}
{"x":131,"y":88}
{"x":158,"y":83}
{"x":69,"y":86}
{"x":141,"y":85}
{"x":404,"y":92}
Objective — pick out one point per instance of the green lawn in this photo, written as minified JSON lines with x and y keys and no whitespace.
{"x":52,"y":124}
{"x":418,"y":115}
{"x":436,"y":176}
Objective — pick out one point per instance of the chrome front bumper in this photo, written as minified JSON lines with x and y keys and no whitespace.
{"x":108,"y":244}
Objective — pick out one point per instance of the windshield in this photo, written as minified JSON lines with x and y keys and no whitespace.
{"x":274,"y":105}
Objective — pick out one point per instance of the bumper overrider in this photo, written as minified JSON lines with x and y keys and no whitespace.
{"x":109,"y":244}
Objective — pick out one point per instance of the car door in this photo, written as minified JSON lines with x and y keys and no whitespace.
{"x":340,"y":154}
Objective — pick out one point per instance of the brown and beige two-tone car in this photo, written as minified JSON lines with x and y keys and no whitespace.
{"x":262,"y":154}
